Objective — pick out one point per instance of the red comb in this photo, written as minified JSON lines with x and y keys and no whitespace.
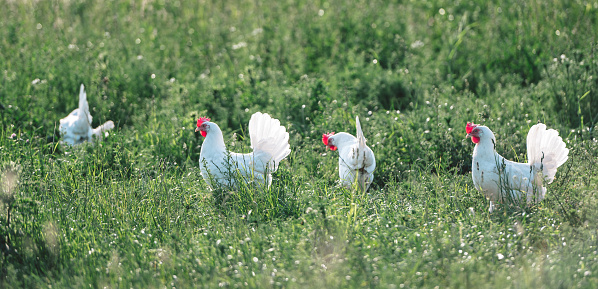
{"x":202,"y":120}
{"x":470,"y":126}
{"x":326,"y":136}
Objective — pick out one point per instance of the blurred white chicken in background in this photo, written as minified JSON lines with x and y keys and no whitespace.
{"x":76,"y":127}
{"x":356,"y":159}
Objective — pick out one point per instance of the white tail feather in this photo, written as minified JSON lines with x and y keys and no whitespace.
{"x":363,"y":158}
{"x":269,"y":136}
{"x":83,"y":100}
{"x":546,"y":150}
{"x":360,"y":136}
{"x":83,"y":105}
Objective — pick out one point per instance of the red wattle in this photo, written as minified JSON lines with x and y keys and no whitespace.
{"x":475,"y":139}
{"x":333,"y":148}
{"x":203,"y":133}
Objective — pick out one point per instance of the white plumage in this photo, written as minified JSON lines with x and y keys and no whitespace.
{"x":270,"y":144}
{"x":76,"y":127}
{"x":496,"y":177}
{"x":356,"y":160}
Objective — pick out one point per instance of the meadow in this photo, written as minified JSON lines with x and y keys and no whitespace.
{"x":134,"y":212}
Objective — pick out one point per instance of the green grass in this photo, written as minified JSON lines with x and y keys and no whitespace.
{"x":133,"y":211}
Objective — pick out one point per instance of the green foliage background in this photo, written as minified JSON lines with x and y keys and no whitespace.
{"x":133,"y":210}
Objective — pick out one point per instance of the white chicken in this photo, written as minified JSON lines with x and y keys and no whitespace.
{"x":356,"y":160}
{"x":500,"y":179}
{"x":270,"y":144}
{"x":76,"y":127}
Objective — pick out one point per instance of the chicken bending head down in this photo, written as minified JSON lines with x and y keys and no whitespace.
{"x":76,"y":127}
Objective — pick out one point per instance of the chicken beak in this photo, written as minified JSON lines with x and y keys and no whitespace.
{"x":472,"y":134}
{"x":197,"y":129}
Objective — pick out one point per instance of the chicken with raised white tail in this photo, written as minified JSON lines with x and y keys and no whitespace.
{"x":220,"y":167}
{"x":356,"y":162}
{"x":500,"y":179}
{"x":76,"y":127}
